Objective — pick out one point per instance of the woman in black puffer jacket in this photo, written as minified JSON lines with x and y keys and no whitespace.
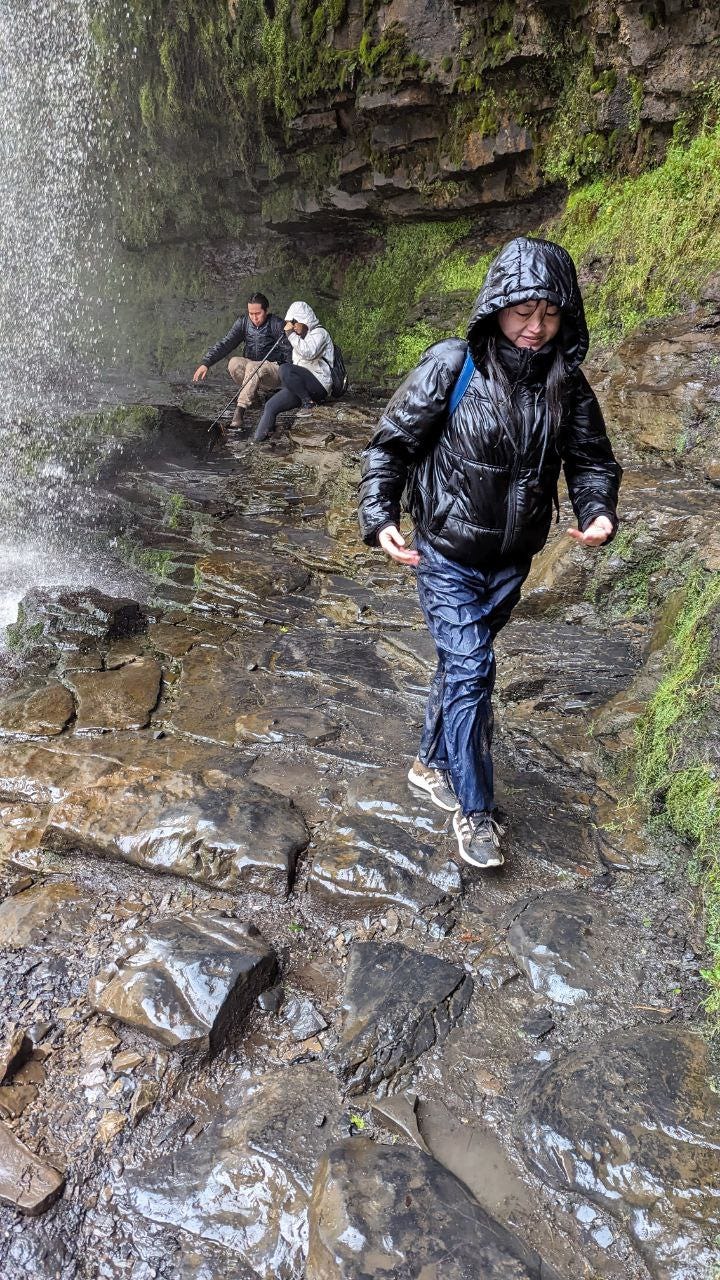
{"x":476,"y":436}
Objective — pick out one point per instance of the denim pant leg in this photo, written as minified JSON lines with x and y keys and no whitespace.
{"x":464,"y":609}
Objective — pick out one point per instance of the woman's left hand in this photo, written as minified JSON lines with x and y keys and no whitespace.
{"x":595,"y":534}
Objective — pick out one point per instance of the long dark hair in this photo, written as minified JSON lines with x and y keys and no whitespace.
{"x":501,"y":389}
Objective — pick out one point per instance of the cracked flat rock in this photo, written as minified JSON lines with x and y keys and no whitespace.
{"x":26,"y":1182}
{"x":245,"y":1182}
{"x":120,"y":699}
{"x":365,"y":861}
{"x":570,"y":947}
{"x":57,"y":909}
{"x":394,"y":1211}
{"x":211,"y":828}
{"x":188,"y":981}
{"x":37,"y":713}
{"x":632,"y":1123}
{"x":397,"y":1004}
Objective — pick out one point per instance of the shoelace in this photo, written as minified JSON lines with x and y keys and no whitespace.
{"x":472,"y":826}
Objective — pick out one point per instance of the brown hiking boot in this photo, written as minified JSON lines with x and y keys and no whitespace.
{"x":436,"y":783}
{"x":237,"y":418}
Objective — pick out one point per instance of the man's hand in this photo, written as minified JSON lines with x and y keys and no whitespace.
{"x":595,"y":534}
{"x":393,"y":544}
{"x":290,"y":326}
{"x":200,"y":373}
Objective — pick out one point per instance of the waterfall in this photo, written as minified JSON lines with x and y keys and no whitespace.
{"x":54,"y":246}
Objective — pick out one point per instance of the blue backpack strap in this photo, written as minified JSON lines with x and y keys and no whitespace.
{"x":462,"y":384}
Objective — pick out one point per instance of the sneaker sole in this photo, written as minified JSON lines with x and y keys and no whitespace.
{"x":498,"y":861}
{"x":420,"y":782}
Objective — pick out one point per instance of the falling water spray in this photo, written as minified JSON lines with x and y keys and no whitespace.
{"x":55,"y":242}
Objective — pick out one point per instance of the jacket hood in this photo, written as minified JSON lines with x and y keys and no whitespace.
{"x":532,"y":269}
{"x":302,"y":312}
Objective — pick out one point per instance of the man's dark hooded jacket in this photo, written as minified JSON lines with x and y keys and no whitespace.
{"x":481,"y":483}
{"x":258,"y":339}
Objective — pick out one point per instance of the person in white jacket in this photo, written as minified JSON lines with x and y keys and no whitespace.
{"x":309,"y":377}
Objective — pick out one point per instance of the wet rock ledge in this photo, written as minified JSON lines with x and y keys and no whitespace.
{"x":256,"y":1019}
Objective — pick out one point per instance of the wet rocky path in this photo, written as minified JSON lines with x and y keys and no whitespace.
{"x":254,"y":1012}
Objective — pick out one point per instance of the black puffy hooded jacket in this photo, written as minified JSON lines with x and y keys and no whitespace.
{"x":481,"y":483}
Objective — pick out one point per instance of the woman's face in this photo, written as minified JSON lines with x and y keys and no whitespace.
{"x":530,"y":324}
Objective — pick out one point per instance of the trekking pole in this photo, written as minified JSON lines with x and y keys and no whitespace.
{"x":215,"y":431}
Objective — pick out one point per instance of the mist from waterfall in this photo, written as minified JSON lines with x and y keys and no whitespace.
{"x":55,"y":243}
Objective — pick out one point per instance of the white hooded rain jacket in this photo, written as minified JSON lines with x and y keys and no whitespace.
{"x":315,"y":351}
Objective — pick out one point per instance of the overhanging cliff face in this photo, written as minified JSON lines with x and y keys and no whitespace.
{"x":294,"y":112}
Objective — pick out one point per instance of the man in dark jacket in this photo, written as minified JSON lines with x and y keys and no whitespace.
{"x":476,"y":436}
{"x":260,"y":331}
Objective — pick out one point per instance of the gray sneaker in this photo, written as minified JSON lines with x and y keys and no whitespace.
{"x":479,"y":836}
{"x":436,"y":783}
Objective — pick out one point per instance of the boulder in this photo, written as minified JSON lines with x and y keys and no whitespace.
{"x":80,"y":619}
{"x":245,"y":1182}
{"x":631,"y":1122}
{"x":188,"y":981}
{"x":571,"y":947}
{"x":36,"y":713}
{"x":212,"y":828}
{"x":365,"y":862}
{"x":57,"y":909}
{"x":397,"y":1004}
{"x":394,"y":1211}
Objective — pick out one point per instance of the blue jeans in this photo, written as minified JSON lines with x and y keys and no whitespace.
{"x":464,"y":609}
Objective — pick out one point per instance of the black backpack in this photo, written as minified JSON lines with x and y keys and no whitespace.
{"x":338,"y":374}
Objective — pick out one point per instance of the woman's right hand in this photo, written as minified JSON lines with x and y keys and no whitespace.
{"x":200,"y":373}
{"x":393,"y":544}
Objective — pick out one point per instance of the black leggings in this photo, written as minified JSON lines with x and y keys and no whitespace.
{"x":298,"y":384}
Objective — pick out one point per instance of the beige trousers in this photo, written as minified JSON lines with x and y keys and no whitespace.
{"x":267,"y":380}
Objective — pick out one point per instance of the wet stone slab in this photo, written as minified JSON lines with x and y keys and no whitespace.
{"x":41,"y":712}
{"x":120,"y":699}
{"x":397,"y":1004}
{"x":338,"y":657}
{"x":572,"y":947}
{"x":282,"y":724}
{"x":394,"y":1211}
{"x":212,"y":828}
{"x":245,"y":1182}
{"x":632,"y":1123}
{"x":594,"y":666}
{"x":27,"y":1183}
{"x":386,"y":793}
{"x":188,"y":981}
{"x":367,"y":862}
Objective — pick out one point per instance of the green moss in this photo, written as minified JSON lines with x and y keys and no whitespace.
{"x":153,"y":561}
{"x":371,"y":321}
{"x":174,"y":506}
{"x":20,"y":637}
{"x":673,"y":743}
{"x":656,"y":235}
{"x":679,"y":697}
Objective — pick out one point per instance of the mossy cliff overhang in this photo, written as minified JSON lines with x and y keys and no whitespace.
{"x":317,"y":112}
